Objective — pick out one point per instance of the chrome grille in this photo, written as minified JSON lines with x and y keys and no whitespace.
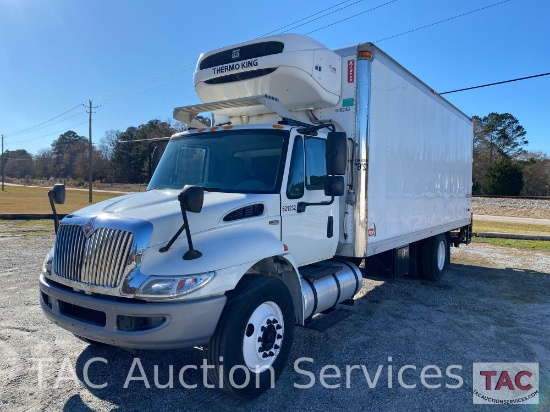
{"x":97,"y":260}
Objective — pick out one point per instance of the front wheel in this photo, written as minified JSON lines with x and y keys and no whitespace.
{"x":250,"y":346}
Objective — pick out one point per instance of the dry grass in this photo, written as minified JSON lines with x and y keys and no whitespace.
{"x":519,"y":228}
{"x":534,"y":245}
{"x":505,"y":227}
{"x":19,"y":199}
{"x":23,"y":228}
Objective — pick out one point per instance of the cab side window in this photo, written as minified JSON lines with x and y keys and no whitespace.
{"x":295,"y":185}
{"x":316,"y":168}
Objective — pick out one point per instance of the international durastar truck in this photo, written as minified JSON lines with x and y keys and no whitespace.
{"x":318,"y":159}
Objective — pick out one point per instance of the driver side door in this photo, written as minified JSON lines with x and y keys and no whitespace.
{"x":311,"y":235}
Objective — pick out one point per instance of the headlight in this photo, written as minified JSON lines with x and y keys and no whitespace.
{"x":47,"y":264}
{"x":173,"y":286}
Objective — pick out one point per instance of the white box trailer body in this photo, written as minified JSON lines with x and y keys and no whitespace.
{"x":412,"y":159}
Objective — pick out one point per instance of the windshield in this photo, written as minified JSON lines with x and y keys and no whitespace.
{"x":244,"y":161}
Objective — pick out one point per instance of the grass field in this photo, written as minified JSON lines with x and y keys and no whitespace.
{"x":519,"y":228}
{"x":534,"y":245}
{"x":20,"y":199}
{"x":500,"y":227}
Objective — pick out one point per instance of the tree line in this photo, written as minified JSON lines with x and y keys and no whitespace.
{"x":502,"y":165}
{"x":120,"y":156}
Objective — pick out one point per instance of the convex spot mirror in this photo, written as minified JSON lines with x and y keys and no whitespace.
{"x":334,"y":186}
{"x":337,"y":153}
{"x":191,"y":198}
{"x":58,"y":193}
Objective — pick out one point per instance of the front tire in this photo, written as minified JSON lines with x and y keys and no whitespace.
{"x":252,"y":341}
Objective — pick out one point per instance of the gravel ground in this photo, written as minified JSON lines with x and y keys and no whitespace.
{"x":534,"y":208}
{"x":492,"y":305}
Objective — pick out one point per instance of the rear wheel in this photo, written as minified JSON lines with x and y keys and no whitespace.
{"x":435,"y":257}
{"x":253,"y":337}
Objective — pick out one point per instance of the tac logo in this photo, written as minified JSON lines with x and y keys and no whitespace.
{"x":235,"y":53}
{"x":506,"y":383}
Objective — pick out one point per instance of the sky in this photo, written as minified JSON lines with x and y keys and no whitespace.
{"x":135,"y":58}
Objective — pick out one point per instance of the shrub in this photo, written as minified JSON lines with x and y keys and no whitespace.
{"x":503,"y":178}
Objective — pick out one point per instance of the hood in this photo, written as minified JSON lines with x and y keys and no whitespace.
{"x":162,"y":209}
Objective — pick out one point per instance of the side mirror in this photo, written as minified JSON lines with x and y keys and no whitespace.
{"x":58,"y":193}
{"x":334,"y":186}
{"x":337,"y":153}
{"x":56,"y":196}
{"x":191,"y":198}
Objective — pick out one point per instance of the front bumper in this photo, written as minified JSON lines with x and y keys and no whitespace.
{"x":186,"y":324}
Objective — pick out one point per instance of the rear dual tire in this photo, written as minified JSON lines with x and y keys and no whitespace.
{"x":435,"y":257}
{"x":429,"y":258}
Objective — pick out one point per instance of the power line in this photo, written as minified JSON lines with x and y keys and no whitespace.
{"x":305,"y":18}
{"x":441,"y":21}
{"x":150,"y":107}
{"x":494,"y":84}
{"x":40,"y":124}
{"x":351,"y":17}
{"x":46,"y":135}
{"x":46,"y":126}
{"x":287,"y":27}
{"x":144,"y":82}
{"x":143,"y":91}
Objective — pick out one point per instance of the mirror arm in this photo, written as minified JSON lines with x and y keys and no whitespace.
{"x":302,"y":205}
{"x":169,"y":245}
{"x":55,"y":217}
{"x":191,"y":253}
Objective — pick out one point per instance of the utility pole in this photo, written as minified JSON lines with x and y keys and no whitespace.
{"x":3,"y":163}
{"x":90,"y":152}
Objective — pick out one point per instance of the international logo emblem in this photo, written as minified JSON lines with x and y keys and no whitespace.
{"x":88,"y":228}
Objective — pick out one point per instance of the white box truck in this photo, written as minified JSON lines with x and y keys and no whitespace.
{"x":318,"y":159}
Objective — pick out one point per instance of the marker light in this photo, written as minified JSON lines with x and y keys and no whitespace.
{"x":364,"y":55}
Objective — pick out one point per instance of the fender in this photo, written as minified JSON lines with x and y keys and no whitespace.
{"x":230,"y":255}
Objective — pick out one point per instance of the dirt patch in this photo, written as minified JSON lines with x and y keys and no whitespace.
{"x":511,"y":211}
{"x":513,"y":207}
{"x":500,"y":257}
